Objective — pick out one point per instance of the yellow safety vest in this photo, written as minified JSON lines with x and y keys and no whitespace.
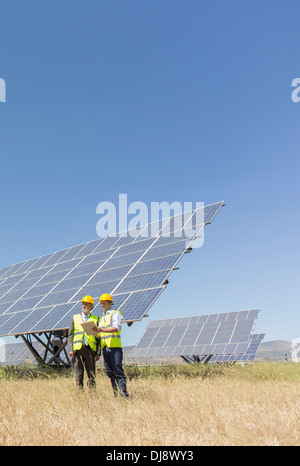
{"x":78,"y":333}
{"x":111,"y":340}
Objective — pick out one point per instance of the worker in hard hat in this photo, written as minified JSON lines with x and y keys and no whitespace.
{"x":84,"y":349}
{"x":110,"y":337}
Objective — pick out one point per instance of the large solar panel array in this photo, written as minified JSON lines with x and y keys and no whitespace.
{"x":42,"y":294}
{"x":212,"y":334}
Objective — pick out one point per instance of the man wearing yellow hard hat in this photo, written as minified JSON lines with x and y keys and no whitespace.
{"x":84,"y":349}
{"x":110,"y":337}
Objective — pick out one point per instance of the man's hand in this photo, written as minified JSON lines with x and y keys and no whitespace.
{"x":97,"y":329}
{"x":72,"y":354}
{"x":97,"y":357}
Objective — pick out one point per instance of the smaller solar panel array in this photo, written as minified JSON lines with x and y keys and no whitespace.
{"x":214,"y":334}
{"x":254,"y":343}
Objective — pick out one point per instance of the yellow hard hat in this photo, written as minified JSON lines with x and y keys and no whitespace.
{"x":88,"y":299}
{"x":106,"y":297}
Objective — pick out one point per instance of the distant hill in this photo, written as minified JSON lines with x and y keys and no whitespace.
{"x":274,"y":350}
{"x":277,"y":350}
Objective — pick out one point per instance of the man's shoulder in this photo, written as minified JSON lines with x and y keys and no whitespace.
{"x":117,"y":310}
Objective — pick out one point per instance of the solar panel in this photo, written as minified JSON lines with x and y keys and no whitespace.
{"x":249,"y":355}
{"x":41,"y":294}
{"x":225,"y":333}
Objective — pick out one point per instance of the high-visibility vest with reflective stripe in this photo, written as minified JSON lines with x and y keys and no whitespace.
{"x":78,"y":333}
{"x":111,"y":340}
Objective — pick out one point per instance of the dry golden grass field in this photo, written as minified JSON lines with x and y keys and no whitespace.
{"x":256,"y":404}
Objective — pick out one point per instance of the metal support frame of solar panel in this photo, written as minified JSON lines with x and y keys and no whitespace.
{"x":15,"y":354}
{"x":41,"y":294}
{"x":225,"y":333}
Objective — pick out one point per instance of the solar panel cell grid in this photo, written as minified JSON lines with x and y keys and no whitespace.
{"x":4,"y":271}
{"x":104,"y":276}
{"x":139,"y":300}
{"x":5,"y":307}
{"x":165,"y":263}
{"x":89,"y":248}
{"x":108,"y":243}
{"x":25,"y":284}
{"x":39,"y":273}
{"x":72,"y":283}
{"x":13,"y":320}
{"x":14,"y":279}
{"x":57,"y":315}
{"x":52,"y":278}
{"x":134,"y":247}
{"x":148,"y":338}
{"x":197,"y":335}
{"x":66,"y":266}
{"x":207,"y":334}
{"x":41,"y":290}
{"x":191,"y":334}
{"x":83,"y":270}
{"x":128,"y":259}
{"x":57,"y":298}
{"x":55,"y":257}
{"x":160,"y":251}
{"x":141,"y":282}
{"x":40,"y":262}
{"x":25,"y":325}
{"x":160,"y":337}
{"x":95,"y":290}
{"x":224,"y":332}
{"x":24,"y":304}
{"x":11,"y":297}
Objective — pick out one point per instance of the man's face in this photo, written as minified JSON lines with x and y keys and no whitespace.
{"x":86,"y":307}
{"x":106,"y":305}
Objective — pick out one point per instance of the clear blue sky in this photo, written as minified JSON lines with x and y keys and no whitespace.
{"x":165,"y":101}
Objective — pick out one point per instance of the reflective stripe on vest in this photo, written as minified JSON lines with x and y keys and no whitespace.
{"x":78,"y":333}
{"x":112,"y":340}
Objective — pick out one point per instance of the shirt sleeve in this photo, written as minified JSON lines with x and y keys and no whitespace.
{"x":117,"y":320}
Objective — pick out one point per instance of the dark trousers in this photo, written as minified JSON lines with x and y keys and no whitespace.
{"x":85,"y":358}
{"x":112,"y":358}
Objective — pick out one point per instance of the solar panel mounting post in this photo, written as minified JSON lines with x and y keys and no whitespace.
{"x":48,"y":348}
{"x":32,"y":350}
